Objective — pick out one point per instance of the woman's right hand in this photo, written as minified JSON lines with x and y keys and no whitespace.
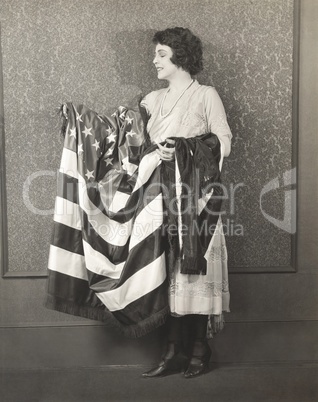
{"x":165,"y":153}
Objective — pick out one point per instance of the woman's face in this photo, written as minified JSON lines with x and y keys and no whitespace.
{"x":165,"y":68}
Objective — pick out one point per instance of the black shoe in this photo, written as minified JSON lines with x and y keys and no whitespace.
{"x":199,"y":363}
{"x":164,"y":368}
{"x":171,"y":363}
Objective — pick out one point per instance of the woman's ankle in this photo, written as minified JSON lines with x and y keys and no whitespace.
{"x":172,"y":349}
{"x":201,"y":348}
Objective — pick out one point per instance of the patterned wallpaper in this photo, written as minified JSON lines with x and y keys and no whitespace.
{"x":100,"y":53}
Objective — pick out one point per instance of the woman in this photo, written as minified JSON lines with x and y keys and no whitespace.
{"x":187,"y":109}
{"x":96,"y":273}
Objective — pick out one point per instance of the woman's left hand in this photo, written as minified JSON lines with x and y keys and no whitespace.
{"x":165,"y":153}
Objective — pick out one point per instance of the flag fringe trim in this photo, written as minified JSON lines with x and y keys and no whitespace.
{"x":132,"y":331}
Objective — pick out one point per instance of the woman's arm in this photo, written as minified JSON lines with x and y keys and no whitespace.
{"x":148,"y":102}
{"x":216,"y":118}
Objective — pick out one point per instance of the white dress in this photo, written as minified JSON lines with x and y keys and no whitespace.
{"x":198,"y":111}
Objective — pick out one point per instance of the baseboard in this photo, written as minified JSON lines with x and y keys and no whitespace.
{"x":98,"y":346}
{"x":140,"y":367}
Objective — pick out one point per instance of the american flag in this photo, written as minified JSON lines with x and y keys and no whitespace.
{"x":107,"y":257}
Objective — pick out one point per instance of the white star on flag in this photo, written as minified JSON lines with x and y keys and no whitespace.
{"x":114,"y":114}
{"x":96,"y":144}
{"x":108,"y":161}
{"x":109,"y":130}
{"x":80,"y":148}
{"x":131,"y":133}
{"x":73,"y":132}
{"x":112,"y":138}
{"x":89,"y":174}
{"x":79,"y":117}
{"x":87,"y":131}
{"x":129,"y":119}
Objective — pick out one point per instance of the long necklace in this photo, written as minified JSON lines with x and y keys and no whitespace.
{"x":177,"y":100}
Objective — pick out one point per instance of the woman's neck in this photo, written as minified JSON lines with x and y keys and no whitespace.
{"x":179,"y":82}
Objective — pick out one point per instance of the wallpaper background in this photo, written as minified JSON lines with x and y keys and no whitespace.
{"x":100,"y":53}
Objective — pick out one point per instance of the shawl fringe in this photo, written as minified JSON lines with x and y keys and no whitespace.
{"x":216,"y":324}
{"x":189,"y":264}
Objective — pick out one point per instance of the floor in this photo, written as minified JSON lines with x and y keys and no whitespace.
{"x":226,"y":383}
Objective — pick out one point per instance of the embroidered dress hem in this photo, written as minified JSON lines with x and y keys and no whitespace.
{"x":203,"y":294}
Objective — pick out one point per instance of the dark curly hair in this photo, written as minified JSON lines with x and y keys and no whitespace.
{"x":186,"y":48}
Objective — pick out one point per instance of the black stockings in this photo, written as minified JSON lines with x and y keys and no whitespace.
{"x":192,"y":326}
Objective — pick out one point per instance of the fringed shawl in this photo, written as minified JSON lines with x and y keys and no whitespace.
{"x":198,"y":163}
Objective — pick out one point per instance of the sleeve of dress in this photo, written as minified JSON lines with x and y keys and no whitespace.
{"x":216,"y":118}
{"x":147,"y":103}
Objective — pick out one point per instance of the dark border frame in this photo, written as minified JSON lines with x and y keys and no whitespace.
{"x":291,"y":268}
{"x":4,"y":258}
{"x":3,"y":203}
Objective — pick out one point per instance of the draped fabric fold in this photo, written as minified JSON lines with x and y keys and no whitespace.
{"x":108,"y":253}
{"x":198,"y":160}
